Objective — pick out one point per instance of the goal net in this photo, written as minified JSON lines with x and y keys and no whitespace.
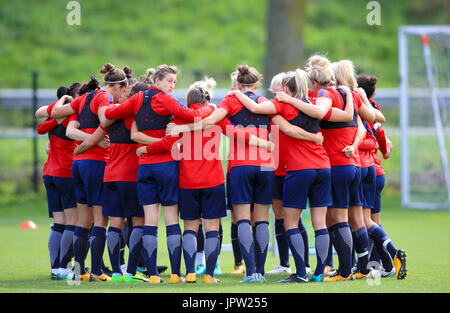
{"x":424,"y":58}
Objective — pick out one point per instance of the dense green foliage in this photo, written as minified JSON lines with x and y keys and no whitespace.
{"x":209,"y":37}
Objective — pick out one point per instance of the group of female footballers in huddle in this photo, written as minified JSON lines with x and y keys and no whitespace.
{"x":119,"y":151}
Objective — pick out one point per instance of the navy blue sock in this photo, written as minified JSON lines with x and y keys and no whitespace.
{"x":262,"y":238}
{"x":98,"y":240}
{"x":189,"y":250}
{"x":255,"y":246}
{"x":342,"y":241}
{"x":54,"y":243}
{"x":322,"y":244}
{"x":298,"y":250}
{"x":220,"y":237}
{"x":329,"y":260}
{"x":66,"y":247}
{"x":150,"y":248}
{"x":361,"y":244}
{"x":126,"y":231}
{"x":381,"y":239}
{"x":373,"y":253}
{"x":212,"y":244}
{"x":123,"y":244}
{"x":354,"y":261}
{"x":80,"y":246}
{"x":174,"y":246}
{"x":304,"y":234}
{"x":200,"y":239}
{"x":386,"y":260}
{"x":113,"y":239}
{"x":135,"y":249}
{"x":246,"y":245}
{"x":235,"y":244}
{"x":282,"y":242}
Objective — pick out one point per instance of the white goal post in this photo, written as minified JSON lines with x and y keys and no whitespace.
{"x":424,"y":58}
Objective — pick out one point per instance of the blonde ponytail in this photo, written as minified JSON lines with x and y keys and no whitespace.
{"x":319,"y":69}
{"x":344,"y":71}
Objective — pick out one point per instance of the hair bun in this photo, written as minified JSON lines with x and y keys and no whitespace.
{"x":107,"y":68}
{"x":128,"y":72}
{"x":372,"y":80}
{"x":318,"y":62}
{"x":62,"y":91}
{"x":150,"y":72}
{"x":148,"y":77}
{"x":243,"y":69}
{"x":93,"y":82}
{"x":210,"y":83}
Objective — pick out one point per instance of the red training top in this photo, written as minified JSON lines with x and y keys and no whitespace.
{"x":161,"y":104}
{"x":257,"y":124}
{"x":340,"y":135}
{"x":367,"y":147}
{"x":301,"y":154}
{"x":200,"y":164}
{"x":60,"y":156}
{"x":123,"y":162}
{"x":382,"y":144}
{"x":89,"y":117}
{"x":280,"y":146}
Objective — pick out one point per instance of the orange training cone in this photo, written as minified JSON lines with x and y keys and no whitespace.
{"x":29,"y":225}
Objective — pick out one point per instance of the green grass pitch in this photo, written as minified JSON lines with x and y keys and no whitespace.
{"x":24,"y":260}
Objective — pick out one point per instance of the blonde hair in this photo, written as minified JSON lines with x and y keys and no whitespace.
{"x":319,"y":69}
{"x":297,"y":83}
{"x":277,"y":80}
{"x":148,"y":77}
{"x":233,"y":77}
{"x":208,"y":83}
{"x":344,"y":71}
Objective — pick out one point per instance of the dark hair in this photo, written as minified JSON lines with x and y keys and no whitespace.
{"x":62,"y":91}
{"x":114,"y":75}
{"x":129,"y":74}
{"x":139,"y":86}
{"x":74,"y":89}
{"x":368,"y":83}
{"x":247,"y":75}
{"x":197,"y":94}
{"x":92,"y":84}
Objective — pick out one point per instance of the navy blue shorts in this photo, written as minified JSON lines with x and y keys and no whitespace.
{"x":121,"y":199}
{"x":88,"y":179}
{"x":229,"y":205}
{"x":310,"y":184}
{"x":208,"y":203}
{"x":368,"y":183}
{"x":251,"y":184}
{"x":346,"y":186}
{"x":277,"y":187}
{"x":158,"y":183}
{"x":380,"y":180}
{"x":60,"y":194}
{"x":227,"y":183}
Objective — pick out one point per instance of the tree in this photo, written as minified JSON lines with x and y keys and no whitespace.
{"x":285,"y":21}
